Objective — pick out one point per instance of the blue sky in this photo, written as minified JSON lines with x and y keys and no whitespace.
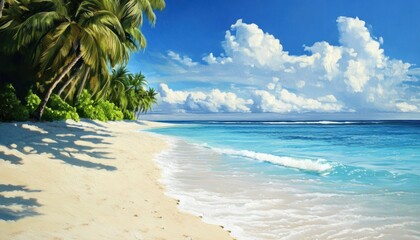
{"x":299,"y":58}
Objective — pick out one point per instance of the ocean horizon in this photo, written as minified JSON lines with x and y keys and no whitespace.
{"x":297,"y":179}
{"x":210,"y":120}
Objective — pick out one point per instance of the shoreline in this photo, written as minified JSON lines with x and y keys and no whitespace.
{"x":88,"y":180}
{"x":267,"y":182}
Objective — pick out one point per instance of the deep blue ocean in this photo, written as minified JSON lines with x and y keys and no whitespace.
{"x":298,"y":180}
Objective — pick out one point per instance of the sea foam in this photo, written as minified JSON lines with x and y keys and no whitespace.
{"x":220,"y":182}
{"x":319,"y":165}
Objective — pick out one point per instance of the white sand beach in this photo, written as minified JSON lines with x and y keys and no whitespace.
{"x":88,"y":180}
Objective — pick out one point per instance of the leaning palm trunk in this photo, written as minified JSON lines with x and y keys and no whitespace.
{"x":138,"y":113}
{"x":71,"y":78}
{"x":1,"y":7}
{"x":69,"y":91}
{"x":40,"y":110}
{"x":82,"y":85}
{"x":66,"y":84}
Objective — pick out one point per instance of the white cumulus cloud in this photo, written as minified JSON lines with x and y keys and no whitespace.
{"x":216,"y":101}
{"x":184,"y":60}
{"x":355,"y":75}
{"x":198,"y":101}
{"x":286,"y":101}
{"x":211,"y":59}
{"x":405,"y":107}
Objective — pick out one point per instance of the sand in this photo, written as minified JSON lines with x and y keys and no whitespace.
{"x":88,"y":180}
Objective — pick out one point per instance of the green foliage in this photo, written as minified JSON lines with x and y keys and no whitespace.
{"x":103,"y":110}
{"x":87,"y":108}
{"x":49,"y":38}
{"x":20,"y":113}
{"x":58,"y":109}
{"x":59,"y":104}
{"x":57,"y":115}
{"x":11,"y":108}
{"x":129,"y":115}
{"x":127,"y":91}
{"x":32,"y":102}
{"x":111,"y":111}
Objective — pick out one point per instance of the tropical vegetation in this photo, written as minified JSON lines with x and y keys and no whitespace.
{"x":63,"y":59}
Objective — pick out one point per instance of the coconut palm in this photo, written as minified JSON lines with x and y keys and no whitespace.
{"x":150,"y":100}
{"x":146,"y":101}
{"x":82,"y":39}
{"x":135,"y":89}
{"x":114,"y":89}
{"x":74,"y":75}
{"x":116,"y":23}
{"x":82,"y":84}
{"x":130,"y":15}
{"x":66,"y":33}
{"x":61,"y":37}
{"x":128,"y":91}
{"x":12,"y":16}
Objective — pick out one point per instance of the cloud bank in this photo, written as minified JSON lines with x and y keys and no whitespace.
{"x":354,"y":76}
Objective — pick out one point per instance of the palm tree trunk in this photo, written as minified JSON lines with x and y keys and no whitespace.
{"x":1,"y":7}
{"x":82,"y":85}
{"x":40,"y":110}
{"x":71,"y":78}
{"x":137,"y":115}
{"x":69,"y":91}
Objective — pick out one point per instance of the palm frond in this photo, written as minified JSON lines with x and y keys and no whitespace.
{"x":35,"y":26}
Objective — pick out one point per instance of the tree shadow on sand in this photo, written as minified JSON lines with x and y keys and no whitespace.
{"x":61,"y":140}
{"x":13,"y":159}
{"x":15,"y":208}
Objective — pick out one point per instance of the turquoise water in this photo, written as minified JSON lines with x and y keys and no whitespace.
{"x":298,"y":180}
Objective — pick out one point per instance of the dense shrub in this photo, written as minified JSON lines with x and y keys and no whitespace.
{"x":56,"y":115}
{"x":87,"y":109}
{"x":129,"y":115}
{"x":20,"y":113}
{"x":11,"y":108}
{"x":111,"y":111}
{"x":32,"y":102}
{"x":58,"y":109}
{"x":103,"y":110}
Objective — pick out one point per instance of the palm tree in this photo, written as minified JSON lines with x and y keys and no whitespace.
{"x":135,"y":85}
{"x":135,"y":81}
{"x":115,"y":87}
{"x":60,"y":38}
{"x":151,"y":99}
{"x":116,"y":23}
{"x":63,"y":34}
{"x":130,"y":14}
{"x":70,"y":78}
{"x":81,"y":39}
{"x":127,"y":91}
{"x":82,"y":84}
{"x":12,"y":16}
{"x":146,"y":101}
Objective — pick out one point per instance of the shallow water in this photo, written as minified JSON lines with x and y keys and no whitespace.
{"x":304,"y":180}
